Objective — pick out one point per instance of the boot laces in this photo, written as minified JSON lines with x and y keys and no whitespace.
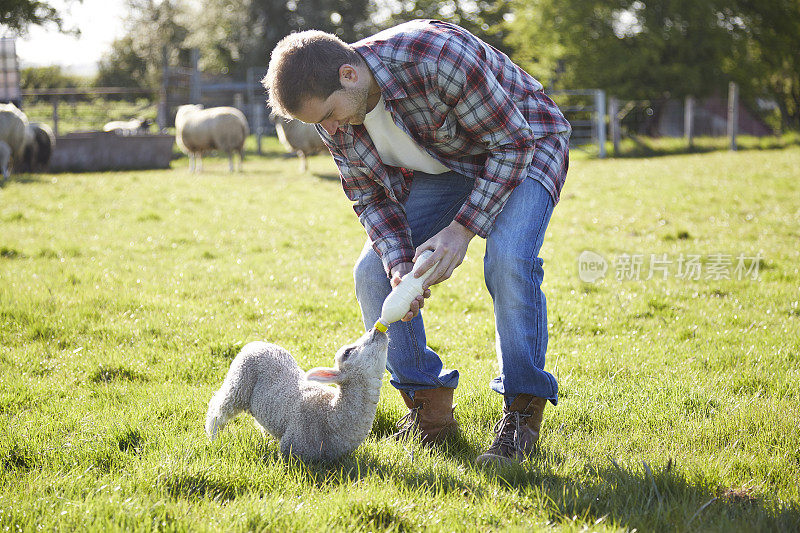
{"x":408,"y":423}
{"x":507,"y":429}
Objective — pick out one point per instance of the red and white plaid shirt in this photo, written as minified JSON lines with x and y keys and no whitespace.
{"x":467,"y":105}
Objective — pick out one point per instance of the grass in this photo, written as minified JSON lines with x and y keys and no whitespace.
{"x":125,"y":295}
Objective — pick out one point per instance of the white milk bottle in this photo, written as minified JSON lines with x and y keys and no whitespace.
{"x":397,"y":304}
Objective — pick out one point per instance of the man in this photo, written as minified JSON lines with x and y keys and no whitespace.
{"x":439,"y":137}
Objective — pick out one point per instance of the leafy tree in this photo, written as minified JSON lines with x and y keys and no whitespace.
{"x":19,"y":15}
{"x":768,"y":65}
{"x":235,"y":36}
{"x":136,"y":59}
{"x":484,"y":18}
{"x":657,"y":49}
{"x":53,"y":77}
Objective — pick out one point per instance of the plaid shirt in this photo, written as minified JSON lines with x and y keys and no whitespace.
{"x":467,"y":105}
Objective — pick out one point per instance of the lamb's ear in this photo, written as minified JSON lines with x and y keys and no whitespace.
{"x":323,"y":375}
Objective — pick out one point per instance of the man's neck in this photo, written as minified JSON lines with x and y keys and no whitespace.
{"x":374,"y":94}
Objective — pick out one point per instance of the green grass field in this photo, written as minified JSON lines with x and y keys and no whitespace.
{"x":125,"y":295}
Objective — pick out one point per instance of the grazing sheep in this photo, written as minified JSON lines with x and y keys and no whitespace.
{"x":39,"y":144}
{"x":136,"y":126}
{"x":300,"y":138}
{"x":13,"y":129}
{"x":5,"y":156}
{"x":199,"y":130}
{"x":312,"y":420}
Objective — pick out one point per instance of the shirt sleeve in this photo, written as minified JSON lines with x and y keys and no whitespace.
{"x":487,"y":114}
{"x":379,"y":211}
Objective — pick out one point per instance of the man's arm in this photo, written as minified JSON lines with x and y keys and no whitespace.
{"x":488,"y":115}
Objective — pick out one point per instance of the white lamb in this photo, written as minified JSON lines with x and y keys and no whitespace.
{"x":310,"y":419}
{"x":300,"y":138}
{"x":199,"y":130}
{"x":5,"y":157}
{"x":136,"y":126}
{"x":13,"y":129}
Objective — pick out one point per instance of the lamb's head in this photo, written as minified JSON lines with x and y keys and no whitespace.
{"x":364,"y":358}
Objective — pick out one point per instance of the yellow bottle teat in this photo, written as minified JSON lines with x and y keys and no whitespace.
{"x":380,"y":326}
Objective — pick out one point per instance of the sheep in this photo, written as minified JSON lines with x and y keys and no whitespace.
{"x":5,"y":156}
{"x":13,"y":129}
{"x":199,"y":130}
{"x":300,"y":138}
{"x":39,"y":144}
{"x":136,"y":126}
{"x":310,"y":419}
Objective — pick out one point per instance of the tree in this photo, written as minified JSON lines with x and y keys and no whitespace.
{"x":484,"y":18}
{"x":19,"y":15}
{"x":136,"y":59}
{"x":659,"y":49}
{"x":234,"y":36}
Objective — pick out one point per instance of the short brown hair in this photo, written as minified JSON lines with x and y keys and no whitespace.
{"x":305,"y":65}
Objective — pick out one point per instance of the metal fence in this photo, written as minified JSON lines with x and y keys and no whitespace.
{"x":586,"y":112}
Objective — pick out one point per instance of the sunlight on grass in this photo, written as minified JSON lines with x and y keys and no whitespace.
{"x":124,"y":297}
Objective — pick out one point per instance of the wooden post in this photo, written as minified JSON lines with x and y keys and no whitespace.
{"x":163,"y":109}
{"x":733,"y":112}
{"x":688,"y":121}
{"x":194,"y":88}
{"x":55,"y":115}
{"x":614,"y":125}
{"x":600,"y":110}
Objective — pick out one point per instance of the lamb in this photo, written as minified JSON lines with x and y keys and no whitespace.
{"x":300,"y":138}
{"x":39,"y":144}
{"x":199,"y":130}
{"x":5,"y":157}
{"x":13,"y":128}
{"x":311,"y":420}
{"x":136,"y":126}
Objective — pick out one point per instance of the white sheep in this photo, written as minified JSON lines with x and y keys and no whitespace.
{"x":13,"y":129}
{"x":136,"y":126}
{"x":199,"y":130}
{"x":310,"y":419}
{"x":5,"y":157}
{"x":300,"y":138}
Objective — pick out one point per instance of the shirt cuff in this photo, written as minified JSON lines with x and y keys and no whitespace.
{"x":395,"y":256}
{"x":474,"y":219}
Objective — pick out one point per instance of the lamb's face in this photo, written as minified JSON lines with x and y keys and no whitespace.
{"x":366,"y":355}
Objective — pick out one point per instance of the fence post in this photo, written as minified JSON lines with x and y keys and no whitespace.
{"x":733,"y":112}
{"x":55,"y":115}
{"x":688,"y":120}
{"x":194,"y":88}
{"x":614,"y":125}
{"x":600,"y":110}
{"x":161,"y":118}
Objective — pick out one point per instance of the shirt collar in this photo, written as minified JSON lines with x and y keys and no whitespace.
{"x":390,"y":88}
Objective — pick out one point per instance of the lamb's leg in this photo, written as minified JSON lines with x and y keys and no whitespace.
{"x":191,"y":162}
{"x":230,"y":160}
{"x":303,"y":161}
{"x":199,"y":157}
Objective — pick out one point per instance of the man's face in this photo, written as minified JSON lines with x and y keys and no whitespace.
{"x":348,"y":105}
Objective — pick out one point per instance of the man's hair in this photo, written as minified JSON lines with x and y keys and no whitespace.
{"x":305,"y":65}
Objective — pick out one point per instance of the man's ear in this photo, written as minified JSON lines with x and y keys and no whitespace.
{"x":323,"y":375}
{"x":347,"y":74}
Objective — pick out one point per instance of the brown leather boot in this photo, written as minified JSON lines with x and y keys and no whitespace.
{"x":517,"y":432}
{"x":430,"y":415}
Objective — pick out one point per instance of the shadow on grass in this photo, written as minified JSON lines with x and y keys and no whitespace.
{"x":642,"y":147}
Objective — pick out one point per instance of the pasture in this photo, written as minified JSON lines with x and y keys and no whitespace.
{"x":125,"y":295}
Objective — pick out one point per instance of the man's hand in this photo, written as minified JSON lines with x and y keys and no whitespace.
{"x":397,"y":273}
{"x":449,"y":249}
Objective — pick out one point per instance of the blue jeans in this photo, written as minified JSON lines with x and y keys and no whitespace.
{"x":513,"y":273}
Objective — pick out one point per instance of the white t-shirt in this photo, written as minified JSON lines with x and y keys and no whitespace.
{"x":395,"y":146}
